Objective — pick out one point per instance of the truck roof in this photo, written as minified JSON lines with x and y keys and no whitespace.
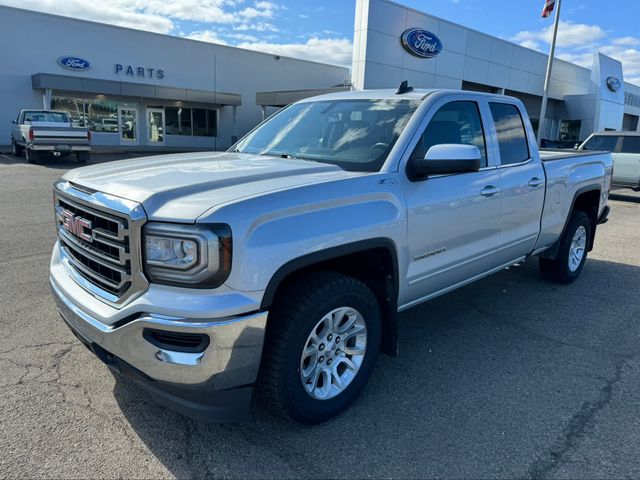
{"x":617,"y":133}
{"x":390,"y":94}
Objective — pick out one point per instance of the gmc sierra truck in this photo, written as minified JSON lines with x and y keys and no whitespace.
{"x":282,"y":263}
{"x":36,"y":133}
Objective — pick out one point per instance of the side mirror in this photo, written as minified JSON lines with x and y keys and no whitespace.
{"x":576,"y":146}
{"x":14,"y":122}
{"x":447,"y":158}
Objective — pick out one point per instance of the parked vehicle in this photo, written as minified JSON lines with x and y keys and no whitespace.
{"x":107,"y":124}
{"x":286,"y":260}
{"x":625,"y":147}
{"x":39,"y":132}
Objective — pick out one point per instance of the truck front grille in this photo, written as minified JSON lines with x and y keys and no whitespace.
{"x":100,"y":245}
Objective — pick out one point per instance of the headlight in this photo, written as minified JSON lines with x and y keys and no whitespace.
{"x":193,"y":255}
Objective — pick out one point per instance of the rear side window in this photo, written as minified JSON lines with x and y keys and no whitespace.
{"x":605,"y":143}
{"x":512,"y":139}
{"x":630,"y":145}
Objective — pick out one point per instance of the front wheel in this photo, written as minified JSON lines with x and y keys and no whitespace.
{"x":16,"y":150}
{"x":322,"y":344}
{"x":572,"y":252}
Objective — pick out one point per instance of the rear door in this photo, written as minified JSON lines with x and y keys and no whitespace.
{"x":627,"y":162}
{"x":523,"y":180}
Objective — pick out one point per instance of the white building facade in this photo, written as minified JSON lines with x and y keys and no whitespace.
{"x":140,"y":90}
{"x":582,"y":100}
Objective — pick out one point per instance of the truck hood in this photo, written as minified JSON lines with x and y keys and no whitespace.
{"x":182,"y":187}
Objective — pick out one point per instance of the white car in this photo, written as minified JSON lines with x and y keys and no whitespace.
{"x":625,"y":147}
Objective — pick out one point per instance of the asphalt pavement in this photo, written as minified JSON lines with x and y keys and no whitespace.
{"x":510,"y":377}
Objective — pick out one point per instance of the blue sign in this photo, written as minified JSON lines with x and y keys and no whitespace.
{"x":421,"y":43}
{"x":613,"y":84}
{"x":73,"y":63}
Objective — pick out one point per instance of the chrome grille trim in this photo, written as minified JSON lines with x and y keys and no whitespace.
{"x":109,"y":264}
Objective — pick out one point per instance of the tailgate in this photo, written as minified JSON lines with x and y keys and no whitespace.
{"x":60,"y":135}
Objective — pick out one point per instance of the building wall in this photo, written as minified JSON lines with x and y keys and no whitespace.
{"x":380,"y":61}
{"x":477,"y":61}
{"x":31,"y":42}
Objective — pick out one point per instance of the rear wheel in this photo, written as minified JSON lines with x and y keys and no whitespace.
{"x":322,"y":344}
{"x":572,"y":252}
{"x":32,"y":156}
{"x":82,"y":157}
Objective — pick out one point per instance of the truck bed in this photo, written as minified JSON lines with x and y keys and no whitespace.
{"x":551,"y":154}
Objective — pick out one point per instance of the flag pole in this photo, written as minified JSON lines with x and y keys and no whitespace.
{"x":547,"y":79}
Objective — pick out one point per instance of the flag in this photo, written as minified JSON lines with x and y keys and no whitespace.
{"x":548,"y":8}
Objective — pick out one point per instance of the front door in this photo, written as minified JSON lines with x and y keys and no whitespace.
{"x":453,"y":220}
{"x":155,"y":126}
{"x":128,"y":125}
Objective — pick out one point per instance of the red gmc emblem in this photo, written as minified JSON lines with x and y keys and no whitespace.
{"x":80,"y":227}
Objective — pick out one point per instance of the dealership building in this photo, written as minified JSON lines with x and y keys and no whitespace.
{"x":141,"y":90}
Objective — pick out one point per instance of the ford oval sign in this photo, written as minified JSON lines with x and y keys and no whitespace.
{"x":421,"y":43}
{"x":613,"y":84}
{"x":73,"y":63}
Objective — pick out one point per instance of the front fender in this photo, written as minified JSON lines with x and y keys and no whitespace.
{"x":272,"y":230}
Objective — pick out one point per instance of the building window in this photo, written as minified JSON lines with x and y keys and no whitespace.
{"x":212,"y":123}
{"x":178,"y":120}
{"x":569,"y":130}
{"x":199,"y":122}
{"x":98,"y":115}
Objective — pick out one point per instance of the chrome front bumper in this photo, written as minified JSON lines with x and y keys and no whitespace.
{"x":184,"y":381}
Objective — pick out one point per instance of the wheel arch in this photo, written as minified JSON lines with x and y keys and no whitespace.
{"x":586,"y":199}
{"x":374,"y":262}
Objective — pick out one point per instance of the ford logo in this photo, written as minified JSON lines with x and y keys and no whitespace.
{"x":613,"y":84}
{"x":73,"y":63}
{"x":421,"y":43}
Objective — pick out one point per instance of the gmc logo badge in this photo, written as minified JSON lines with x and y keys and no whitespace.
{"x":79,"y":226}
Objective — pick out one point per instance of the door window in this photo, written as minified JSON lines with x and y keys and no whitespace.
{"x":605,"y":143}
{"x":630,"y":145}
{"x":512,"y":138}
{"x":455,"y":122}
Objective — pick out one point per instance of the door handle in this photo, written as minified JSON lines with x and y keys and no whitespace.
{"x":535,"y":182}
{"x":489,"y":191}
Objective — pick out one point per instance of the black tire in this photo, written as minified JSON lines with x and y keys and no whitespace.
{"x":82,"y":157}
{"x":16,"y":149}
{"x":32,"y":156}
{"x":558,"y":270}
{"x":297,"y":312}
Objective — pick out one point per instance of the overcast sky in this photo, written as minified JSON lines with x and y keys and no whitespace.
{"x":322,"y":30}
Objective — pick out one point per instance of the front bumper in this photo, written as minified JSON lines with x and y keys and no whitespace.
{"x":211,"y":385}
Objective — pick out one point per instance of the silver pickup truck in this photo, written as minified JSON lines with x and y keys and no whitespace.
{"x":283,"y":263}
{"x":40,"y":132}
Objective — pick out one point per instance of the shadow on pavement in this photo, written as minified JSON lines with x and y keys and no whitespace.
{"x":488,"y":380}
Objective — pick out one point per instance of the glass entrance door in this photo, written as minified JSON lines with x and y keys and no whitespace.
{"x":128,"y":117}
{"x":155,"y":126}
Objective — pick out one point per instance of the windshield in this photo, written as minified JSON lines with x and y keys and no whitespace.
{"x":355,"y":135}
{"x":55,"y":117}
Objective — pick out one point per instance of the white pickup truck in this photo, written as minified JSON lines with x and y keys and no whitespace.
{"x":39,"y":132}
{"x":283,"y":263}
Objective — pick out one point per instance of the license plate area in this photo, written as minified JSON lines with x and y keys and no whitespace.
{"x":62,"y":148}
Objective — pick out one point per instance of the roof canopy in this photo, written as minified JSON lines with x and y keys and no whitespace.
{"x":131,"y":89}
